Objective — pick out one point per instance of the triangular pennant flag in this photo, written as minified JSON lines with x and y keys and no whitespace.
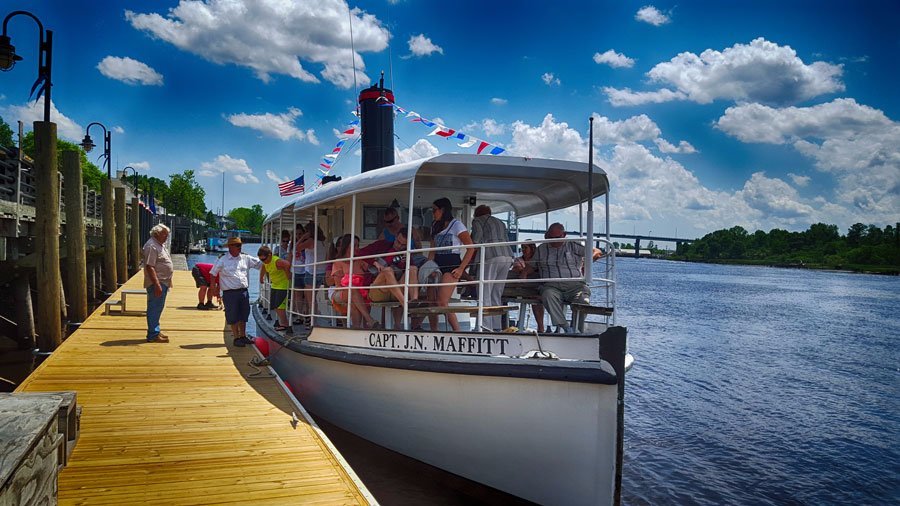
{"x":468,"y":143}
{"x":497,"y":150}
{"x":482,"y":146}
{"x":448,"y":133}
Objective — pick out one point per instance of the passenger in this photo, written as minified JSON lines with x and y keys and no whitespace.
{"x":448,"y":231}
{"x":524,"y":268}
{"x":392,"y":225}
{"x":497,"y":260}
{"x":559,"y":259}
{"x":298,"y":267}
{"x":315,"y":250}
{"x":283,"y":248}
{"x":202,"y":279}
{"x":158,"y":270}
{"x":233,"y":270}
{"x":391,"y":271}
{"x":278,"y":271}
{"x":343,"y":277}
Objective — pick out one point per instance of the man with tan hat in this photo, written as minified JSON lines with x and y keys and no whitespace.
{"x":233,"y":271}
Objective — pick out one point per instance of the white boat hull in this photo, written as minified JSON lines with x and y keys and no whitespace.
{"x":548,"y":441}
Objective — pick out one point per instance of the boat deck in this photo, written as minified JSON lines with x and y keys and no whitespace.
{"x":181,"y":423}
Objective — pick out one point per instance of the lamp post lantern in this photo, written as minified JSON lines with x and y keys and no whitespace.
{"x":135,"y":222}
{"x":109,"y":225}
{"x":8,"y":58}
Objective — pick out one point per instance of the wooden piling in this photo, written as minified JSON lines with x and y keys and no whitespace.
{"x":76,"y":255}
{"x":49,"y":324}
{"x":121,"y":237}
{"x":109,"y":239}
{"x":135,"y":235}
{"x":24,"y":311}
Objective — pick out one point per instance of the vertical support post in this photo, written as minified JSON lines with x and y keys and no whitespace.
{"x":409,"y":241}
{"x":315,"y":268}
{"x":91,"y":281}
{"x":109,"y":238}
{"x":49,"y":324}
{"x":76,"y":256}
{"x":121,"y":237}
{"x":589,"y":239}
{"x":24,"y":312}
{"x":352,"y":254}
{"x":135,"y":235}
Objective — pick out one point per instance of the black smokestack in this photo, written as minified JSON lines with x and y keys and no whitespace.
{"x":377,"y":123}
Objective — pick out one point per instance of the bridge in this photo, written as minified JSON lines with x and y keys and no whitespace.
{"x":636,"y":238}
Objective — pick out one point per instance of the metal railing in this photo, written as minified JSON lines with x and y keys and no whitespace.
{"x":606,"y":282}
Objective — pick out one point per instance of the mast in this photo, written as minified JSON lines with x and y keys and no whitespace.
{"x":589,"y":242}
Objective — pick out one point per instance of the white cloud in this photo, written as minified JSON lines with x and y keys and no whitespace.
{"x":129,"y":71}
{"x":30,"y":112}
{"x":652,"y":15}
{"x":858,"y":145}
{"x":420,"y":45}
{"x":421,"y":149}
{"x":550,"y":80}
{"x":271,"y":36}
{"x":613,"y":59}
{"x":275,"y":178}
{"x":491,"y":127}
{"x":499,"y":101}
{"x":799,"y":180}
{"x":140,"y":166}
{"x":683,"y":147}
{"x":773,"y":197}
{"x":649,"y":188}
{"x":237,"y":167}
{"x":281,"y":126}
{"x":626,"y":97}
{"x":761,"y":71}
{"x":119,"y":130}
{"x":636,"y":128}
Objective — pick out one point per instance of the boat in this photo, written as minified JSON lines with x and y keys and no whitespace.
{"x":536,"y":415}
{"x":199,"y":247}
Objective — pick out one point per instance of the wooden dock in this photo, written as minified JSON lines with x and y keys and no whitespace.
{"x":181,"y":422}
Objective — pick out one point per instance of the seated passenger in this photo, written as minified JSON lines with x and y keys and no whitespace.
{"x":448,"y":231}
{"x":558,"y":259}
{"x":343,"y":278}
{"x":524,"y":268}
{"x":393,"y":224}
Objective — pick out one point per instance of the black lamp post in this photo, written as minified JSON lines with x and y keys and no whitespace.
{"x":136,"y":181}
{"x":88,"y":144}
{"x":8,"y":59}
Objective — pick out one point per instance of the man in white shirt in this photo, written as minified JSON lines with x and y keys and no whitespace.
{"x":233,"y":271}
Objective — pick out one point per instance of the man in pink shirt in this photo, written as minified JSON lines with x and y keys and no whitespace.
{"x":203,"y":280}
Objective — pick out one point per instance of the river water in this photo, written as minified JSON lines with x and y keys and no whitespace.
{"x":757,"y":385}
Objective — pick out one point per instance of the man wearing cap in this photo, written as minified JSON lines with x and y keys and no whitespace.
{"x":233,"y":271}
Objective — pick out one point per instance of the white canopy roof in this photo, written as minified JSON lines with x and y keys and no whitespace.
{"x":527,"y":186}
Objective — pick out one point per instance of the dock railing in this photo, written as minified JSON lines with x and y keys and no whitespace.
{"x":605,"y":281}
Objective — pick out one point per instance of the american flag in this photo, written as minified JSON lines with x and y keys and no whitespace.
{"x":292,"y":187}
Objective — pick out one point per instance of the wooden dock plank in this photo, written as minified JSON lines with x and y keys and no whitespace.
{"x":182,"y":423}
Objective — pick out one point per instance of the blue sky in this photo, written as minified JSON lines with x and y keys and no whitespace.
{"x":708,"y":114}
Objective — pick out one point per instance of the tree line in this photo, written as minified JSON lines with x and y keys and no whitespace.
{"x":862,"y":248}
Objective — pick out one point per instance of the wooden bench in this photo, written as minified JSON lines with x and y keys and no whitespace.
{"x":472,"y":310}
{"x":123,"y":304}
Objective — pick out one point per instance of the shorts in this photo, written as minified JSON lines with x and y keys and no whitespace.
{"x":278,"y":299}
{"x":198,"y":277}
{"x":446,"y":261}
{"x":308,"y":280}
{"x":237,"y":305}
{"x":299,"y":280}
{"x":380,"y":295}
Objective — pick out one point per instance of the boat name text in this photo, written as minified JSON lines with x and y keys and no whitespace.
{"x":453,"y":344}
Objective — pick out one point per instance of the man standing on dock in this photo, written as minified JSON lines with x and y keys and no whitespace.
{"x":158,"y":270}
{"x":233,"y":271}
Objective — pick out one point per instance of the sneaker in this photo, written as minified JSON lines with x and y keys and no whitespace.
{"x":241,"y":342}
{"x":202,"y":307}
{"x":210,"y":305}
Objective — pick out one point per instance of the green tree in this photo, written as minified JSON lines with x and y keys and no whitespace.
{"x":211,"y":220}
{"x":6,"y":134}
{"x":185,"y":196}
{"x":248,"y":219}
{"x":91,"y":175}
